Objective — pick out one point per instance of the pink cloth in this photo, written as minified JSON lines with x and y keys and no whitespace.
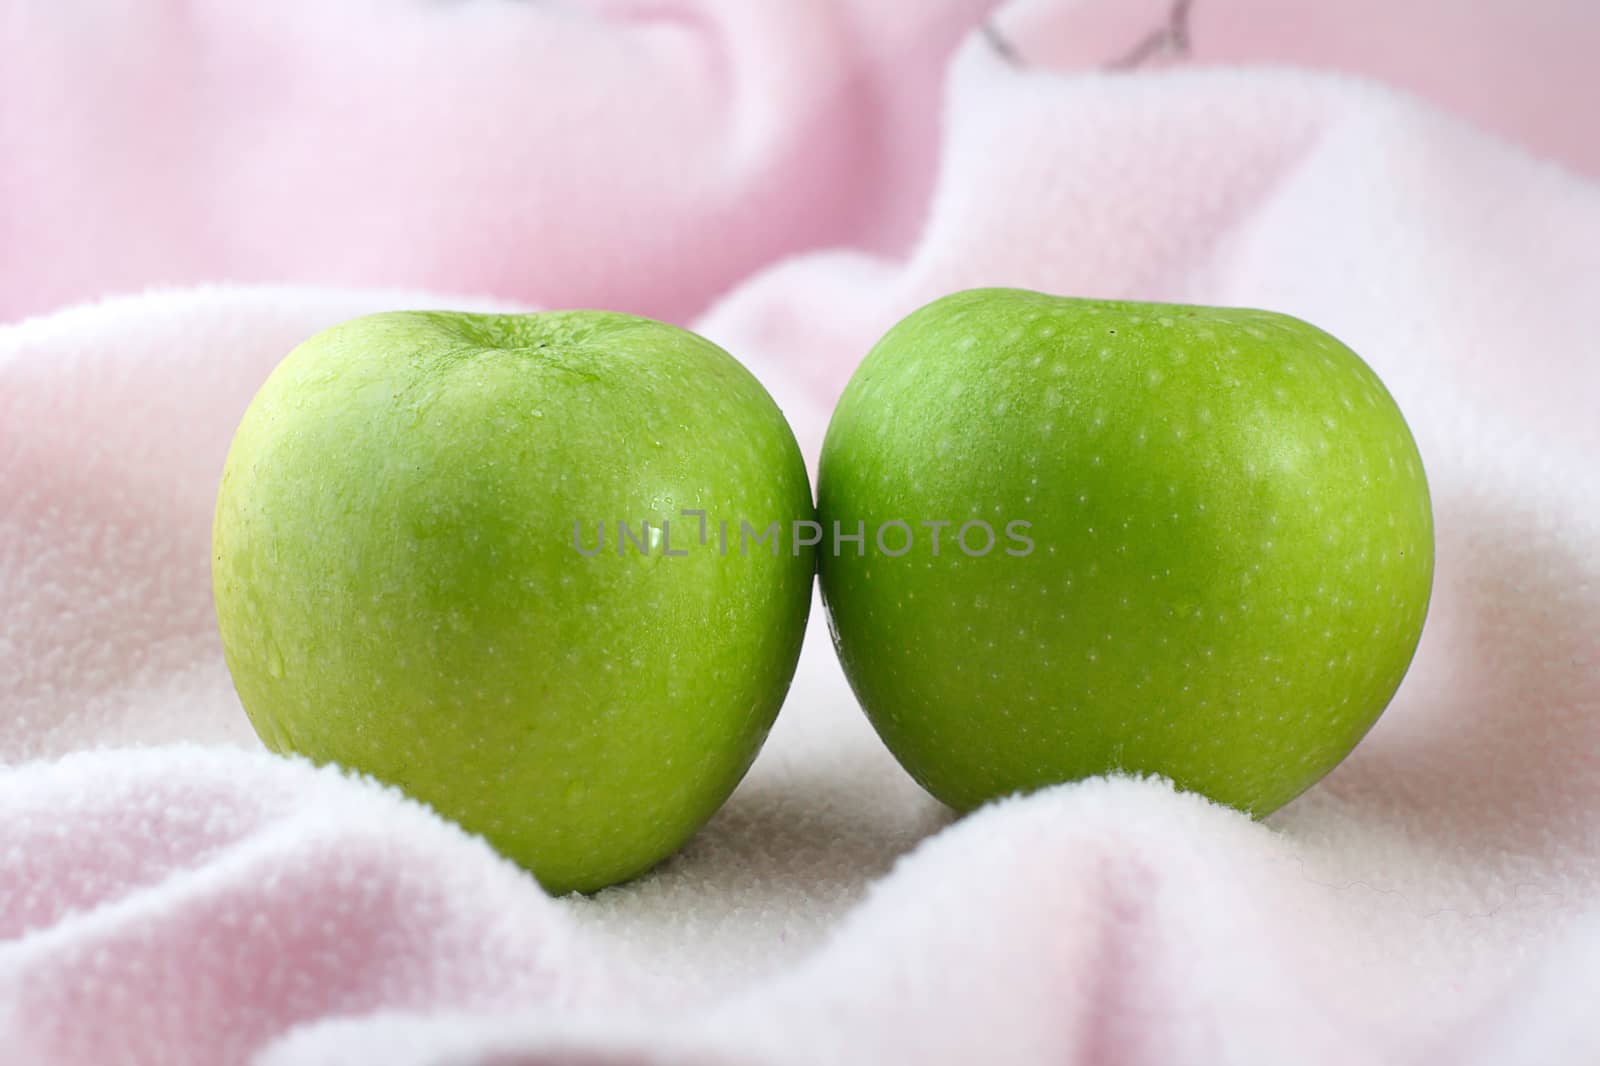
{"x":790,"y":178}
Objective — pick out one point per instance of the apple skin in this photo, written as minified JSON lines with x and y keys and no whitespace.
{"x":398,"y":587}
{"x":1233,"y":546}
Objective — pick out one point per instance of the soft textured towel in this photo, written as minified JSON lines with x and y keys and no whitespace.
{"x":789,"y":179}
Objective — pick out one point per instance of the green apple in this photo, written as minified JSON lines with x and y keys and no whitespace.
{"x":1185,"y":541}
{"x":462,"y":553}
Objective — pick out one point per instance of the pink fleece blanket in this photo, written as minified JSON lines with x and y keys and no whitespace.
{"x":789,"y":178}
